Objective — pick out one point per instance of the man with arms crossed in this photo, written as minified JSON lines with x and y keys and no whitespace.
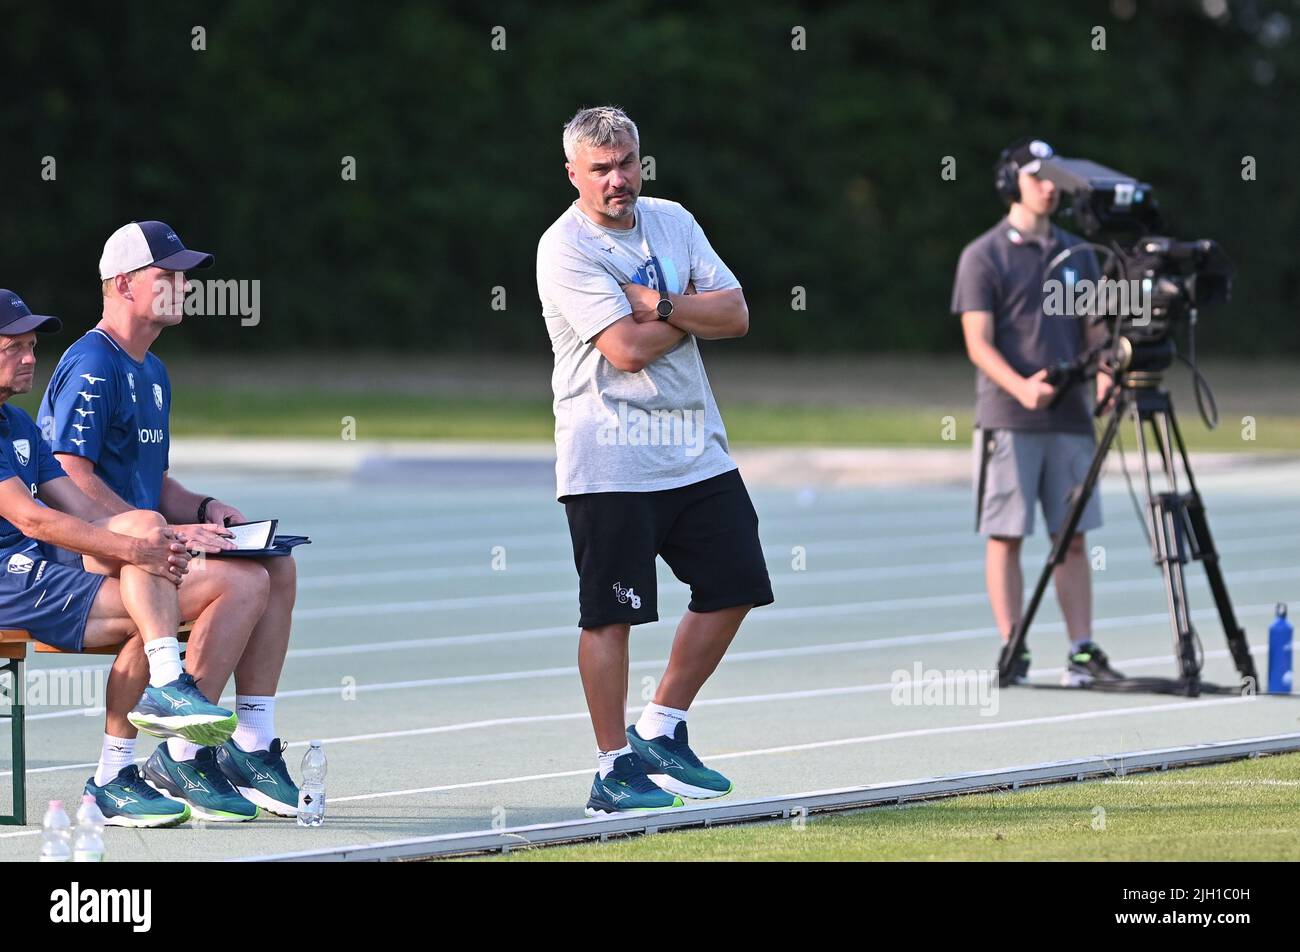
{"x":133,"y":586}
{"x":642,"y":467}
{"x":107,"y":408}
{"x":1028,"y":451}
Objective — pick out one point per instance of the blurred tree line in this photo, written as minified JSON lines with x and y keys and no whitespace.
{"x":817,"y":168}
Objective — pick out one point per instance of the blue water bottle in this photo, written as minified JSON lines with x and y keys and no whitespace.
{"x":1279,"y":654}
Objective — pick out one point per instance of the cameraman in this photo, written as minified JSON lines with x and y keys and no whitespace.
{"x":1029,"y":446}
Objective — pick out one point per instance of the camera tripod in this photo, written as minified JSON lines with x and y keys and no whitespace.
{"x":1178,"y":531}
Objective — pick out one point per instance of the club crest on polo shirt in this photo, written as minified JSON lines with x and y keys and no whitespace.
{"x":23,"y":451}
{"x":20,"y":564}
{"x":130,"y":382}
{"x":157,"y":396}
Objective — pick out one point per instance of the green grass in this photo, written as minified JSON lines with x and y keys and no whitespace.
{"x":1245,"y":810}
{"x":302,"y":414}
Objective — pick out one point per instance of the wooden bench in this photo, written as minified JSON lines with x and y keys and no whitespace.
{"x":13,"y":660}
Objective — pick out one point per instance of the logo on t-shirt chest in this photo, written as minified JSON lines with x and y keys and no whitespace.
{"x":150,"y":416}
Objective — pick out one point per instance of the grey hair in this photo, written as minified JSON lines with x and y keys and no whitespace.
{"x":599,"y":126}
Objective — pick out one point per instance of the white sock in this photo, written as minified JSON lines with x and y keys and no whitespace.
{"x":658,"y":721}
{"x":164,"y":656}
{"x":606,"y":759}
{"x":1077,"y":643}
{"x":181,"y":749}
{"x":117,"y":752}
{"x":256,"y":727}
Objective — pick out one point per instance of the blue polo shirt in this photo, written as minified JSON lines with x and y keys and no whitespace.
{"x":23,"y":454}
{"x":113,"y":410}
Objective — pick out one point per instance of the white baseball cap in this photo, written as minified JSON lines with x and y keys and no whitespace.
{"x":144,"y":243}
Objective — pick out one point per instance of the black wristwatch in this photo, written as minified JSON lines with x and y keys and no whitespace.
{"x":203,"y":508}
{"x":665,"y":306}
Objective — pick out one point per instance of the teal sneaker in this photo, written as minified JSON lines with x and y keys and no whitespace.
{"x":260,"y":776}
{"x":670,"y":763}
{"x":627,"y":788}
{"x":179,"y":709}
{"x":198,"y":783}
{"x":127,"y":800}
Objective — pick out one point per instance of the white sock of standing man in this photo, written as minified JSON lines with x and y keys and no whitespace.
{"x":659,"y":721}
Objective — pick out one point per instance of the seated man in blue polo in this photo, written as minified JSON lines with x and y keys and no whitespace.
{"x":134,"y":587}
{"x":106,"y":409}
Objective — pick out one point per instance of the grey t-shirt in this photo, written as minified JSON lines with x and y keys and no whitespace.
{"x":655,"y":429}
{"x":1004,"y":272}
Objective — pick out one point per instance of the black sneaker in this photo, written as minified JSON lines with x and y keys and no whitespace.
{"x":1086,"y":664}
{"x":1018,"y":673}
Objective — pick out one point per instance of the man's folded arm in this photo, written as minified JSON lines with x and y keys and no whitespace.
{"x":631,"y":347}
{"x":711,"y":315}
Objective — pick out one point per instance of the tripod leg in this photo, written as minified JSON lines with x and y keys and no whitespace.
{"x":1011,"y":650}
{"x":1168,"y":543}
{"x":1203,"y":549}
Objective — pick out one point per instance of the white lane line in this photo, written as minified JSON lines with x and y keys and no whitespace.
{"x":342,"y":550}
{"x":482,"y":567}
{"x":834,"y":647}
{"x":869,"y":515}
{"x":828,"y":744}
{"x":780,"y":583}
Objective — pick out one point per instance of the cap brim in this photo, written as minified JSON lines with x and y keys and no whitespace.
{"x":41,"y":323}
{"x":1032,"y":167}
{"x":184,"y":261}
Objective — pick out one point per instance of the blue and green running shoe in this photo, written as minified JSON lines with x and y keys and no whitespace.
{"x":260,"y":776}
{"x":198,"y":783}
{"x":127,"y":800}
{"x":671,"y":764}
{"x":179,"y":709}
{"x":627,"y":788}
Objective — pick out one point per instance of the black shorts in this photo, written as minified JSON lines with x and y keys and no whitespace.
{"x":707,"y":532}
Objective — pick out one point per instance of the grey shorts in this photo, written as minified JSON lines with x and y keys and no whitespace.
{"x":1021,"y":468}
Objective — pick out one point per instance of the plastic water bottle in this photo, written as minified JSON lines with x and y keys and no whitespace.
{"x":88,"y":844}
{"x":1279,"y":654}
{"x":311,"y":793}
{"x":56,"y":834}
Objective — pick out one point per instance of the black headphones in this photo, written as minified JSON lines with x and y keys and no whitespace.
{"x":1006,"y":173}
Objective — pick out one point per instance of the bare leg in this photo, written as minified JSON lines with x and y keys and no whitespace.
{"x":150,"y":601}
{"x":1004,"y":581}
{"x":1073,"y":579}
{"x":225,"y":599}
{"x":259,"y":669}
{"x":127,"y":680}
{"x":701,"y":641}
{"x":602,"y":662}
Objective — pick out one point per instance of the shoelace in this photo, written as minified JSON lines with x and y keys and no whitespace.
{"x":275,"y":756}
{"x":205,"y":764}
{"x":684,"y":752}
{"x":133,"y":784}
{"x":638,"y":782}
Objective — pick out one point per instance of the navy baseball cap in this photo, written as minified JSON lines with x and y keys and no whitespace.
{"x":144,"y":243}
{"x":17,"y":318}
{"x":1027,"y":155}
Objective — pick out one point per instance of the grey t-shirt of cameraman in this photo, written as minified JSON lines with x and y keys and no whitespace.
{"x":1004,"y":272}
{"x":652,"y":430}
